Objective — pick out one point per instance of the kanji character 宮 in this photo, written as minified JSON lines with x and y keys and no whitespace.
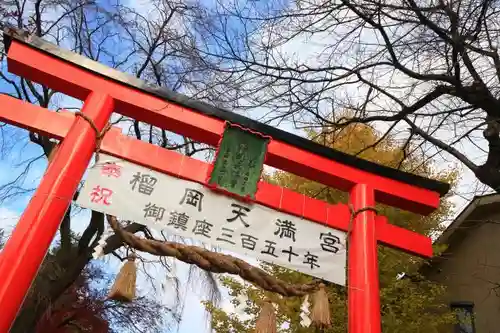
{"x":154,"y":211}
{"x":146,"y":183}
{"x":193,"y":198}
{"x":227,"y":233}
{"x":240,"y":212}
{"x":270,"y":248}
{"x":248,"y":241}
{"x":178,"y":220}
{"x":286,"y":228}
{"x":111,"y":169}
{"x":328,"y":242}
{"x":100,"y":194}
{"x":311,"y":259}
{"x":290,"y":253}
{"x":202,"y":227}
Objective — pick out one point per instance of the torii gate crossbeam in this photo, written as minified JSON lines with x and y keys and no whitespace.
{"x":105,"y":90}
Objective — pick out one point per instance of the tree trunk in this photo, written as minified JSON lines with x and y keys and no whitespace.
{"x":70,"y":262}
{"x":34,"y":307}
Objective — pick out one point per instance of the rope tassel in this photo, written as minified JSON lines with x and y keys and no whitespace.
{"x":266,"y":322}
{"x":123,"y":289}
{"x":320,"y":314}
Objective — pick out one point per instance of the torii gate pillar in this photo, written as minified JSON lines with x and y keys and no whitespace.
{"x":362,"y":274}
{"x":26,"y":248}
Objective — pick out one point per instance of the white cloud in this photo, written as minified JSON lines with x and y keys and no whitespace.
{"x":144,"y":7}
{"x":80,"y":219}
{"x":8,"y":219}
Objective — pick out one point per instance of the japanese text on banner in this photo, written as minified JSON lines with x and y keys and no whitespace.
{"x":188,"y":209}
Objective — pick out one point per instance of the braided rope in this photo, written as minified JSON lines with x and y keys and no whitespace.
{"x":213,"y":262}
{"x":99,"y":134}
{"x":355,"y":213}
{"x":219,"y":262}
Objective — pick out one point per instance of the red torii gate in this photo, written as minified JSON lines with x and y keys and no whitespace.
{"x":105,"y":90}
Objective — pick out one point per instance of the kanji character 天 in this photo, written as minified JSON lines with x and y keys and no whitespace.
{"x":328,"y":242}
{"x":202,"y":227}
{"x":154,"y":211}
{"x":270,"y":248}
{"x":178,"y":220}
{"x":111,"y":169}
{"x":193,"y":198}
{"x":100,"y":194}
{"x":146,"y":183}
{"x":311,"y":259}
{"x":227,"y":233}
{"x":239,"y":212}
{"x":290,"y":253}
{"x":248,"y":241}
{"x":286,"y":228}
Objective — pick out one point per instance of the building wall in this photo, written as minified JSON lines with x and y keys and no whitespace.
{"x":471,"y":271}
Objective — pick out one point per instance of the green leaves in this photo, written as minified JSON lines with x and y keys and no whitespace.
{"x":407,"y":305}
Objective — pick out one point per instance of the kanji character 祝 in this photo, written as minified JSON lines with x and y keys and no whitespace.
{"x":101,"y":195}
{"x":154,"y":211}
{"x":193,"y":198}
{"x":146,"y":183}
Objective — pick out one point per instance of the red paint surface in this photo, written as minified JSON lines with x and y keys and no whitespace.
{"x":55,"y":125}
{"x":363,"y":286}
{"x":25,"y":250}
{"x":77,"y":82}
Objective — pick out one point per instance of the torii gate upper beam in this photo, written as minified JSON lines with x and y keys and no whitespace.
{"x":56,"y":125}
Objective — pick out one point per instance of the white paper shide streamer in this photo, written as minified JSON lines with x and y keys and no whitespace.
{"x":305,"y":321}
{"x":242,"y":304}
{"x":101,"y":244}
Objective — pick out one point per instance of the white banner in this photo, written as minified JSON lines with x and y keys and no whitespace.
{"x":191,"y":210}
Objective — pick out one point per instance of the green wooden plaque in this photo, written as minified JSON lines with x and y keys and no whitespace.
{"x":239,"y":162}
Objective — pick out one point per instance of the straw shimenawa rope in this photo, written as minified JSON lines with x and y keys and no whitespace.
{"x":355,"y":213}
{"x":212,"y":262}
{"x":99,"y":134}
